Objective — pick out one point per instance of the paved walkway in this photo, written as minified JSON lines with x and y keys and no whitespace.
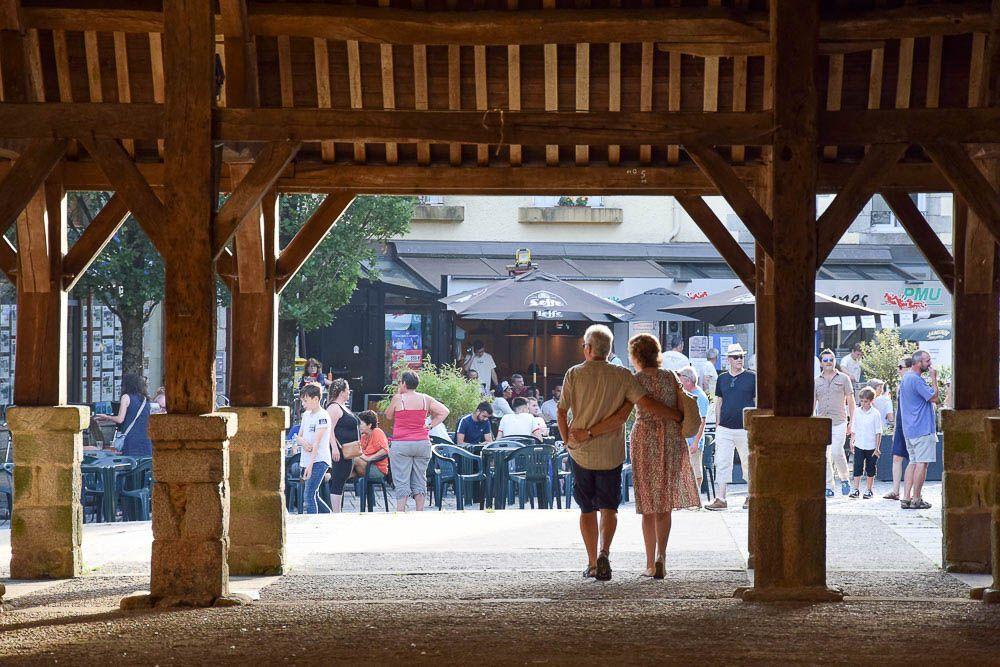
{"x":505,"y":587}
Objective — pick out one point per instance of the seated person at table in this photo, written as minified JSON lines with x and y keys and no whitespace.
{"x":501,"y":404}
{"x":549,"y":408}
{"x":521,"y":422}
{"x":474,"y":429}
{"x":374,"y":444}
{"x":537,"y":414}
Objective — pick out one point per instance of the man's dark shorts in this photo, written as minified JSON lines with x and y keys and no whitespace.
{"x":597,"y":489}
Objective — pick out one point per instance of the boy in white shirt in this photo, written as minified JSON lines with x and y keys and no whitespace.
{"x":866,"y":438}
{"x":521,"y":422}
{"x":314,"y":443}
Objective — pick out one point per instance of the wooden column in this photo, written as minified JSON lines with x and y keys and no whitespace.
{"x":790,"y":557}
{"x":966,"y":513}
{"x":190,"y":445}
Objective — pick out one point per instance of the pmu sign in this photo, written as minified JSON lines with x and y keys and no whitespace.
{"x":890,"y":296}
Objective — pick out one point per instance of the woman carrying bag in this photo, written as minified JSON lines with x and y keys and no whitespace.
{"x":132,"y":433}
{"x":346,"y":443}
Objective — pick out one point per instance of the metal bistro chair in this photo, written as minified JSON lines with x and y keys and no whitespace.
{"x":448,"y":461}
{"x":532,"y":474}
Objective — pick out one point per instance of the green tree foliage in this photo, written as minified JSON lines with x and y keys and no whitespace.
{"x":330,"y":276}
{"x":444,"y":383}
{"x":882,"y":355}
{"x":127,"y":276}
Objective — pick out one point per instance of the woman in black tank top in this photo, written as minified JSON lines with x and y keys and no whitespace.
{"x":346,"y":430}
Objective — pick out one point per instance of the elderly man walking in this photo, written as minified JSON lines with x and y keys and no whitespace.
{"x":592,"y":392}
{"x":834,"y":398}
{"x":916,"y":410}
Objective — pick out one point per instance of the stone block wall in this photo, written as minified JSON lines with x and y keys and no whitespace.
{"x":966,"y":511}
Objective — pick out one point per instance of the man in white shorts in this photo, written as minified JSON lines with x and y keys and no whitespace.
{"x":735,"y":390}
{"x":834,"y":398}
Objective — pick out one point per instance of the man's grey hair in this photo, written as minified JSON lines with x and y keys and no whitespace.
{"x":919,"y":355}
{"x":690,"y":373}
{"x":600,"y":338}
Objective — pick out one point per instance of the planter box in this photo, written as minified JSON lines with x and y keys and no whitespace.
{"x":569,"y":215}
{"x":438,"y":213}
{"x":884,"y":471}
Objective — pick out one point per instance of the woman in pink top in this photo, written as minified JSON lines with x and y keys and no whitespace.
{"x":410,"y":451}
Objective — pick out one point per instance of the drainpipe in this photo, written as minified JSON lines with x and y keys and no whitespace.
{"x":675,"y":223}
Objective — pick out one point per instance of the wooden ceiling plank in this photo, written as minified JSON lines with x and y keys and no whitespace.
{"x":646,"y":95}
{"x":514,"y":93}
{"x":285,"y":78}
{"x":62,"y":65}
{"x":354,"y":80}
{"x":260,"y":178}
{"x":721,"y":239}
{"x":482,"y":98}
{"x":312,"y":232}
{"x":122,"y":79}
{"x":834,"y":89}
{"x":93,"y":57}
{"x":934,"y":53}
{"x":94,"y":239}
{"x":420,"y":96}
{"x":324,"y":98}
{"x":875,"y":78}
{"x":968,"y":181}
{"x":674,"y":100}
{"x":26,"y":176}
{"x":739,"y":98}
{"x":926,"y":239}
{"x":156,"y":75}
{"x":717,"y":170}
{"x":614,"y":93}
{"x":582,"y":95}
{"x":904,"y":75}
{"x":127,"y":181}
{"x":34,"y":53}
{"x":388,"y":92}
{"x":862,"y":184}
{"x":455,"y":96}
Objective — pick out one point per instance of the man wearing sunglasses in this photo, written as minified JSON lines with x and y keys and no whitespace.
{"x":834,"y":398}
{"x":735,"y":390}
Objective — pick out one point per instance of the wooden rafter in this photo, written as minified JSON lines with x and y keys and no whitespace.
{"x":863,"y":183}
{"x":95,"y":237}
{"x":966,"y":178}
{"x":27,"y":175}
{"x":926,"y":240}
{"x":717,"y":170}
{"x":309,"y":236}
{"x":123,"y":174}
{"x":721,"y":239}
{"x":251,"y":190}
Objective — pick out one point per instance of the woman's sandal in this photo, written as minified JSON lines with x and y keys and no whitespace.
{"x":589,"y":572}
{"x":658,"y":570}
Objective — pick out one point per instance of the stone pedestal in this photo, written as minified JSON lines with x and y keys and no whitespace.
{"x":788,"y":468}
{"x":748,"y":415}
{"x":257,"y":487}
{"x":47,"y":521}
{"x":991,"y":594}
{"x":190,"y":510}
{"x":965,"y":489}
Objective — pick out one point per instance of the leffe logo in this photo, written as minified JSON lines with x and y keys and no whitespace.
{"x":544,"y":300}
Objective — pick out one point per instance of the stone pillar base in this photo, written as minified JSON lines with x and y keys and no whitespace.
{"x":257,"y":485}
{"x":788,"y":469}
{"x":748,"y":416}
{"x":965,"y":491}
{"x":47,"y":519}
{"x":190,"y":508}
{"x":144,"y":600}
{"x":991,"y":594}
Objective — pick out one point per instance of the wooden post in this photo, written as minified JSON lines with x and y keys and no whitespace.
{"x":790,"y":557}
{"x":190,"y":446}
{"x":967,"y":437}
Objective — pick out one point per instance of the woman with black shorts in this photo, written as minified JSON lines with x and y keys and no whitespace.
{"x":346,"y":430}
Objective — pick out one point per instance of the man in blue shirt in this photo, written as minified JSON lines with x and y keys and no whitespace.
{"x":696,"y":443}
{"x":735,"y":391}
{"x":474,"y":429}
{"x":916,"y":409}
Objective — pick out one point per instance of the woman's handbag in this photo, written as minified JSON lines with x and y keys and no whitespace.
{"x":119,"y":441}
{"x":351,"y":450}
{"x":688,"y":405}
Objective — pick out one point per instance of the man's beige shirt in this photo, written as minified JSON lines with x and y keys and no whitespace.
{"x":830,"y":396}
{"x":593,"y":391}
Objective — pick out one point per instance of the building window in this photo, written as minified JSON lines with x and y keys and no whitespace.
{"x":431,"y":200}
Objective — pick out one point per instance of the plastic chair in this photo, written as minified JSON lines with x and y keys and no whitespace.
{"x":294,"y":487}
{"x":708,"y":467}
{"x":135,"y":493}
{"x":92,"y":494}
{"x":449,"y":461}
{"x":562,"y":473}
{"x":533,"y":473}
{"x":364,"y":487}
{"x":522,"y":439}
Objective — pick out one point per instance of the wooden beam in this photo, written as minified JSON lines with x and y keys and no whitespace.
{"x":926,"y":239}
{"x":312,"y":232}
{"x":522,"y":127}
{"x":794,"y":31}
{"x":78,"y":120}
{"x":92,"y":242}
{"x":8,"y":259}
{"x":958,"y":18}
{"x":251,"y":190}
{"x":26,"y":176}
{"x":127,"y":181}
{"x":717,"y":170}
{"x":849,"y":202}
{"x":189,"y":291}
{"x":388,"y":91}
{"x":497,"y":27}
{"x":721,"y":239}
{"x":967,"y":180}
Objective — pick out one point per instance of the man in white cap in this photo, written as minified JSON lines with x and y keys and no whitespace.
{"x":735,"y":390}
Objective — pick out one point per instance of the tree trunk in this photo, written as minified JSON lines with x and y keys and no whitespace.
{"x":132,"y":337}
{"x":287,"y":336}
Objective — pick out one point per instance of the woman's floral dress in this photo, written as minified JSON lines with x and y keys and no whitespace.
{"x":661,"y":467}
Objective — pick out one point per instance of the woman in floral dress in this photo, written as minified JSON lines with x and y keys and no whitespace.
{"x":661,"y":468}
